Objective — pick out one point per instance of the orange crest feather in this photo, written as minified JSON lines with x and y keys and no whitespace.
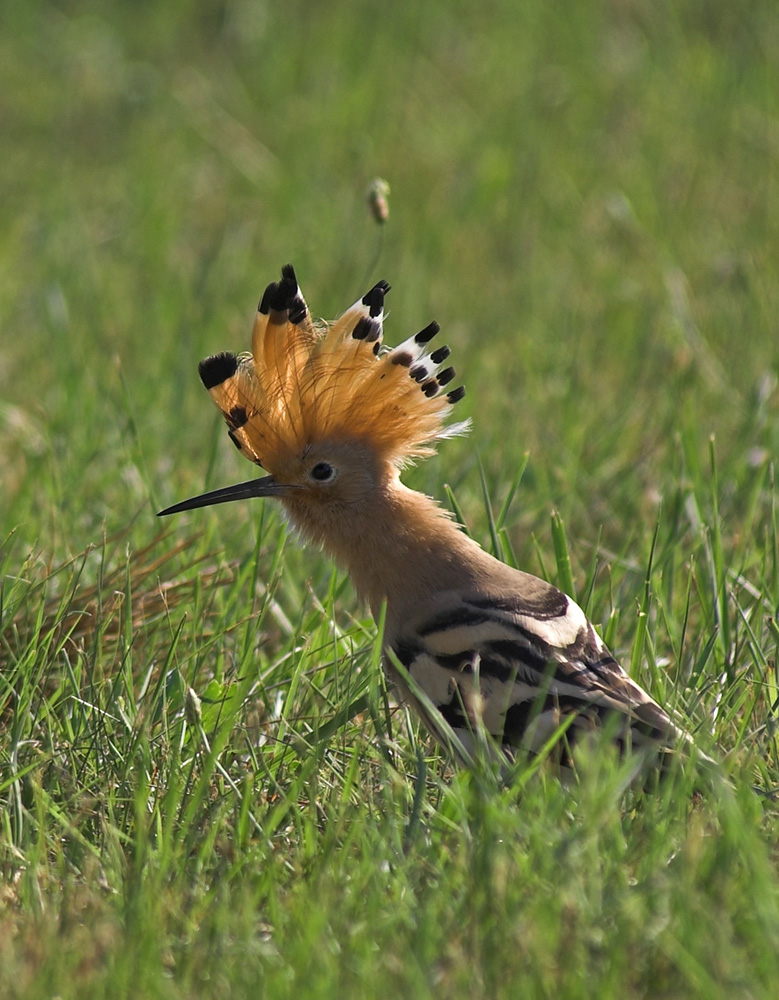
{"x":304,"y":383}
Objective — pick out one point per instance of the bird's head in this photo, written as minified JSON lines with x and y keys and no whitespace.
{"x":326,"y":409}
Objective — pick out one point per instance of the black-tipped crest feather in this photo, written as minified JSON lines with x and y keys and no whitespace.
{"x":303,"y":383}
{"x":217,"y":369}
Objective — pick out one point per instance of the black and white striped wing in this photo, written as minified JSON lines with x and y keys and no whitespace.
{"x":522,"y":668}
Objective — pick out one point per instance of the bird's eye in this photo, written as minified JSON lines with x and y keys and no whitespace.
{"x":322,"y":472}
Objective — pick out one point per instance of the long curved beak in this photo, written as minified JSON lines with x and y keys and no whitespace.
{"x":263,"y":487}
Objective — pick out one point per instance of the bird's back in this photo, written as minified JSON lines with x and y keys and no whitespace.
{"x":521,"y":659}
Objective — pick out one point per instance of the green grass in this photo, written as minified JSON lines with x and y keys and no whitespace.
{"x":205,"y":790}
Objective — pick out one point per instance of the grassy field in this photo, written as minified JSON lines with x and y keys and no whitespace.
{"x":205,"y":790}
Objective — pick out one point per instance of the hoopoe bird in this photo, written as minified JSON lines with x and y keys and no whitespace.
{"x":333,"y":416}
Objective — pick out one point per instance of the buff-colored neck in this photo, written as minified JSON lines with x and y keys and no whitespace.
{"x":401,"y":547}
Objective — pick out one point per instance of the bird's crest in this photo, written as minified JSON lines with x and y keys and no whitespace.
{"x":305,"y":382}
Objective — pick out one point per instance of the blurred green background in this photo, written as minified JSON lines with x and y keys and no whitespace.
{"x":584,"y":196}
